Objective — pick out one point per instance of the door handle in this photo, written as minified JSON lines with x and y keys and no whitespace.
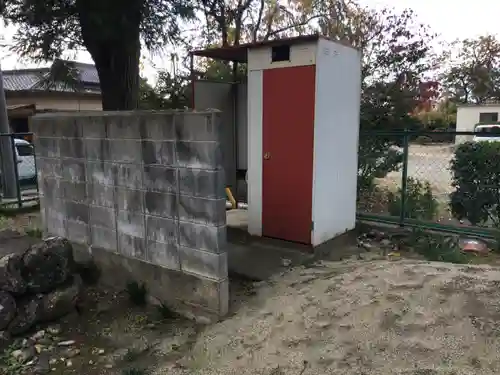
{"x":267,"y":155}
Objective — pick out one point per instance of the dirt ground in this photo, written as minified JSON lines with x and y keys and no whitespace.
{"x":352,"y":317}
{"x":384,"y":317}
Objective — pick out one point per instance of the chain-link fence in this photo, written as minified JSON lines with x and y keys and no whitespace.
{"x":411,"y":179}
{"x":20,"y":188}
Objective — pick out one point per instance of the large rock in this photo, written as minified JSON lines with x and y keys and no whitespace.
{"x":11,"y":280}
{"x":28,"y":313}
{"x":48,"y":264}
{"x":7,"y":309}
{"x":61,"y":301}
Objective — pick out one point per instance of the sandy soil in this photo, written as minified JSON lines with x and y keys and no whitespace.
{"x":399,"y":317}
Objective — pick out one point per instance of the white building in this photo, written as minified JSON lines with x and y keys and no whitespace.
{"x":468,"y":115}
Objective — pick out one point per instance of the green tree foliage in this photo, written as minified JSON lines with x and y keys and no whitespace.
{"x":472,"y":70}
{"x":110,"y":30}
{"x":476,"y":180}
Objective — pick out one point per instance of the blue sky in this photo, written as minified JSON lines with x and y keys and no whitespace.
{"x":449,"y":19}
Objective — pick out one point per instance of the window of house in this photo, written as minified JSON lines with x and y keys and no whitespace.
{"x":280,"y":53}
{"x":488,"y":117}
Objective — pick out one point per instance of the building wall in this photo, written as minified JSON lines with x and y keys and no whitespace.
{"x":60,"y":103}
{"x":144,"y":192}
{"x":468,"y":116}
{"x":300,"y":55}
{"x":218,"y":95}
{"x":336,"y":131}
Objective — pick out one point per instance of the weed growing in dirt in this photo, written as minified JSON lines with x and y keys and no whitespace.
{"x":436,"y":247}
{"x":137,"y":293}
{"x":8,"y":364}
{"x":166,"y":312}
{"x":132,"y":354}
{"x":34,"y":232}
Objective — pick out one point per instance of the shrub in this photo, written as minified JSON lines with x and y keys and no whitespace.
{"x":377,"y":157}
{"x":476,"y":180}
{"x":420,"y":202}
{"x":436,"y":247}
{"x":137,"y":293}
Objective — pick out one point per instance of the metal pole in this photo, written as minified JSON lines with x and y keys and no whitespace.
{"x":9,"y":164}
{"x":404,"y":179}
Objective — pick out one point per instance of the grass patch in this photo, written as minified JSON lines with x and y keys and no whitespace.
{"x":166,"y":312}
{"x":436,"y":247}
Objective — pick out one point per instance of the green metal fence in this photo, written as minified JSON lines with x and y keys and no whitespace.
{"x":25,"y":173}
{"x":405,"y":179}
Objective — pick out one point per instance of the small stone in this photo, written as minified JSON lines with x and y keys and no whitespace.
{"x":23,"y":355}
{"x":39,"y":335}
{"x":69,"y":363}
{"x":71,"y":353}
{"x":386,"y":243}
{"x":100,"y":351}
{"x":39,"y":348}
{"x":108,"y":366}
{"x":91,"y":362}
{"x":52,"y":361}
{"x":67,"y":343}
{"x":54,"y":330}
{"x":286,"y":262}
{"x":323,"y":325}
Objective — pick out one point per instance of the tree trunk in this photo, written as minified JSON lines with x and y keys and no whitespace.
{"x":111,"y":34}
{"x":118,"y":69}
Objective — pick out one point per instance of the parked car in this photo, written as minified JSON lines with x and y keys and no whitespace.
{"x":25,"y":161}
{"x":487,"y":133}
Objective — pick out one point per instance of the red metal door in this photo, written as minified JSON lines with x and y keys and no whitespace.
{"x":288,"y":143}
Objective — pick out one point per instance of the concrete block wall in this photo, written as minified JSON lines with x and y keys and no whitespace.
{"x":140,"y":186}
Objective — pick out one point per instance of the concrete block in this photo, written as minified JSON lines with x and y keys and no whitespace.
{"x":104,"y":238}
{"x":202,"y":211}
{"x":125,"y":151}
{"x":158,"y":152}
{"x":75,"y":191}
{"x":126,"y":126}
{"x":131,"y":224}
{"x":161,"y":230}
{"x":93,"y":127}
{"x":101,"y":195}
{"x":163,"y":254}
{"x":73,"y":170}
{"x":78,"y":212}
{"x":101,"y":173}
{"x":159,"y":127}
{"x":97,"y":149}
{"x":129,"y":199}
{"x":72,"y":148}
{"x":197,"y":126}
{"x":199,"y":155}
{"x":49,"y":167}
{"x":102,"y":217}
{"x":159,"y":204}
{"x":203,"y":263}
{"x":51,"y":189}
{"x":202,"y":183}
{"x":77,"y":232}
{"x":203,"y":237}
{"x":42,"y":126}
{"x":160,"y":179}
{"x":67,"y":127}
{"x":199,"y":295}
{"x":55,"y":221}
{"x":47,"y":147}
{"x":128,"y":175}
{"x":133,"y":247}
